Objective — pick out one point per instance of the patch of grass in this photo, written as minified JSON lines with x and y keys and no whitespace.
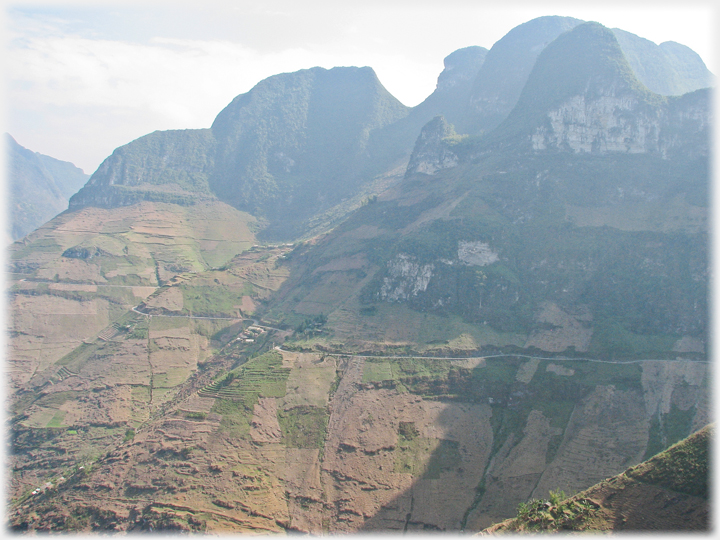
{"x":408,"y":431}
{"x":683,"y":467}
{"x":240,"y":389}
{"x":304,"y":426}
{"x":555,"y":514}
{"x":140,"y":393}
{"x":506,"y":422}
{"x":56,"y":399}
{"x":236,"y":417}
{"x":78,"y":356}
{"x":214,"y":300}
{"x":499,"y":370}
{"x":377,"y":371}
{"x":57,"y":420}
{"x":171,"y":378}
{"x":411,"y":455}
{"x":140,"y":330}
{"x":622,"y":376}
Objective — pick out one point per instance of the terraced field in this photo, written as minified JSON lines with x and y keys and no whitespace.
{"x":320,"y":443}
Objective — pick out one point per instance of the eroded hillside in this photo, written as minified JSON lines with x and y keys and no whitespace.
{"x":321,"y":443}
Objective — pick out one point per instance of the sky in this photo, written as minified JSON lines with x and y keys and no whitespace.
{"x":84,"y":78}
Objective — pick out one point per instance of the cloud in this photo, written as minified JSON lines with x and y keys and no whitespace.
{"x":178,"y":83}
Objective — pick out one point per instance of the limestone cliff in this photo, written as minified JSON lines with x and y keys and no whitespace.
{"x":583,"y":97}
{"x":433,"y":148}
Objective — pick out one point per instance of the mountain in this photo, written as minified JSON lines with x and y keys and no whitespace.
{"x":507,"y":66}
{"x":546,"y":214}
{"x":583,"y":95}
{"x":670,"y":69}
{"x":668,"y":492}
{"x":485,"y":319}
{"x":39,"y":185}
{"x":272,"y":152}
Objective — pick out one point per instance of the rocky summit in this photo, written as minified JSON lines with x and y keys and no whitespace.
{"x":329,"y":312}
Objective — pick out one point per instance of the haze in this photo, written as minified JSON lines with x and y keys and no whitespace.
{"x":83,"y":79}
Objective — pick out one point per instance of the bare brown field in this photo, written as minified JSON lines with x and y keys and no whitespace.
{"x":389,"y":459}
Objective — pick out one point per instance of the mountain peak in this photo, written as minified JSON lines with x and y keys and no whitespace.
{"x":585,"y":60}
{"x":461,"y":66}
{"x":506,"y":68}
{"x":579,"y":95}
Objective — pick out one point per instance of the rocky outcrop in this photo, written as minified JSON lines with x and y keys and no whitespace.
{"x":583,"y":97}
{"x":406,"y":278}
{"x":607,"y":124}
{"x":433,"y":148}
{"x":612,"y":123}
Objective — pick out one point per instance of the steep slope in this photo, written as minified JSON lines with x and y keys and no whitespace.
{"x":504,"y":320}
{"x":39,"y":186}
{"x":279,"y":145}
{"x":546,"y":233}
{"x":668,"y":492}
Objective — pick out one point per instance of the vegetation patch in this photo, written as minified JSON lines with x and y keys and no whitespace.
{"x":304,"y":426}
{"x":684,"y":467}
{"x":239,"y":390}
{"x":377,"y":371}
{"x":445,"y":457}
{"x":555,"y":514}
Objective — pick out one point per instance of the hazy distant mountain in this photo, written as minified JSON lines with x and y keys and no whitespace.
{"x":290,"y":148}
{"x":506,"y":68}
{"x":583,"y":96}
{"x":449,"y":99}
{"x":670,"y":69}
{"x":39,"y":187}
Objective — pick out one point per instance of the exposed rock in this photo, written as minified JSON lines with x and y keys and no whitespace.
{"x":476,"y":253}
{"x":406,"y":278}
{"x":432,"y":151}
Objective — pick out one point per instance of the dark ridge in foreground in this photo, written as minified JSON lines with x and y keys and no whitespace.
{"x":668,"y":492}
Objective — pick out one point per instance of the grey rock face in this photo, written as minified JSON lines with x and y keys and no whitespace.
{"x":432,"y":151}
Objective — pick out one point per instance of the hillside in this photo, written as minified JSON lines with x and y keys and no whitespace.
{"x":668,"y":492}
{"x":39,"y":187}
{"x":513,"y":243}
{"x":437,"y":334}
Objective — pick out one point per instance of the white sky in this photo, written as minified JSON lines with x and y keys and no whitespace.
{"x":82,"y":79}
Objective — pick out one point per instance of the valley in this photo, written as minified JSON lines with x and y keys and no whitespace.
{"x":298,"y":321}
